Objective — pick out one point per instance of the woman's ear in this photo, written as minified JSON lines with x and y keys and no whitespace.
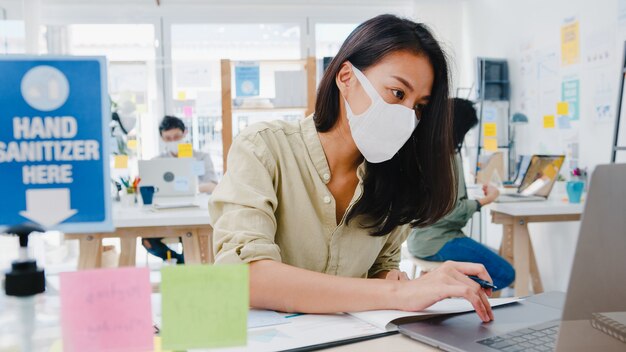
{"x":345,"y":78}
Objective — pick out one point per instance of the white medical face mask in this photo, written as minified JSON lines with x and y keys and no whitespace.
{"x":381,"y":130}
{"x":172,"y":147}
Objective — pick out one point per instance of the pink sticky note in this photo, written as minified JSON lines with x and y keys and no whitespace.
{"x":106,"y":310}
{"x":187,"y":111}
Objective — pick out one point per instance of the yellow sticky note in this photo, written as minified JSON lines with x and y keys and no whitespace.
{"x":185,"y":150}
{"x":548,"y":121}
{"x":57,"y":346}
{"x":490,"y":129}
{"x":158,"y":345}
{"x":132,"y":144}
{"x":491,"y":144}
{"x":120,"y":162}
{"x":562,"y":108}
{"x":182,"y":95}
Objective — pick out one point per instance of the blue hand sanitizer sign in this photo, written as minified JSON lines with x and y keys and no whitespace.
{"x":54,"y":161}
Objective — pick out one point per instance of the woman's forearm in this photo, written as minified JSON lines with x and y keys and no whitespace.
{"x":278,"y":286}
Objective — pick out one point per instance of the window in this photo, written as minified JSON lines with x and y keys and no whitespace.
{"x":131,"y":54}
{"x":197,"y":51}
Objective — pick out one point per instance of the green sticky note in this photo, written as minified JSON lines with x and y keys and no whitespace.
{"x":204,"y":306}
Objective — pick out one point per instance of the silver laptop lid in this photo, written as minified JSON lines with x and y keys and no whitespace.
{"x":598,"y":281}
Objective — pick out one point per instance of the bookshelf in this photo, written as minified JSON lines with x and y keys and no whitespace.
{"x":228,"y":109}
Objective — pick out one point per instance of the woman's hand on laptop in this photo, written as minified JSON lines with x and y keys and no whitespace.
{"x":449,"y":280}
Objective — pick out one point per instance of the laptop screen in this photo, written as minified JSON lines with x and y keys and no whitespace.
{"x":541,"y":175}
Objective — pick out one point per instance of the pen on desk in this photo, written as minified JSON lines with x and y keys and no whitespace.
{"x":293,"y":315}
{"x":483,"y":283}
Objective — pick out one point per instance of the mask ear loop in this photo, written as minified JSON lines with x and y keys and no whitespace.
{"x":367,"y":85}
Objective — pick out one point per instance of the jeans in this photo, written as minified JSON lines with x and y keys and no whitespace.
{"x":157,"y":248}
{"x":465,"y":249}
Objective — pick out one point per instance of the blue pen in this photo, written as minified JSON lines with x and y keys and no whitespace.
{"x":293,"y":315}
{"x":483,"y":283}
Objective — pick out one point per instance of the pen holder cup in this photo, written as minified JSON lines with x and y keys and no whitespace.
{"x":147,"y":194}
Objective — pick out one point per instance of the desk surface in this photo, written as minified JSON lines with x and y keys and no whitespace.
{"x":395,"y":343}
{"x":537,"y":208}
{"x":144,"y":216}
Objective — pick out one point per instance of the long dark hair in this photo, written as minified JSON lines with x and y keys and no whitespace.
{"x":417,"y":185}
{"x":464,"y":119}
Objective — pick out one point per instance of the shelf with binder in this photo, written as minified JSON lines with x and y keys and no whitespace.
{"x":248,"y":98}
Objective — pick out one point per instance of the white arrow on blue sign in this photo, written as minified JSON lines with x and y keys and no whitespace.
{"x":54,"y":163}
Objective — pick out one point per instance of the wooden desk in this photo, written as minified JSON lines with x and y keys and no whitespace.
{"x":516,"y":246}
{"x":192,"y":225}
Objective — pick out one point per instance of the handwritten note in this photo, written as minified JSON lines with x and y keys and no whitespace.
{"x":106,"y":310}
{"x":120,"y":161}
{"x":185,"y":150}
{"x":562,"y":108}
{"x":187,"y":111}
{"x":491,"y":144}
{"x":490,"y":129}
{"x":204,"y":306}
{"x":548,"y":121}
{"x":132,"y":144}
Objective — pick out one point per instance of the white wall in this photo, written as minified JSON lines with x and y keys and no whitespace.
{"x":526,"y":32}
{"x":13,"y":9}
{"x":446,"y":19}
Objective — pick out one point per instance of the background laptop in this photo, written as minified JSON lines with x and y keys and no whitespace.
{"x":172,"y":176}
{"x":597,"y":284}
{"x":538,"y":180}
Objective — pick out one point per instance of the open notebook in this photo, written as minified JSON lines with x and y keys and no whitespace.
{"x":389,"y":320}
{"x":271,"y":331}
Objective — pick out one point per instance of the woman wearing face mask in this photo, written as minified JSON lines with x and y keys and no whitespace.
{"x":319,"y":208}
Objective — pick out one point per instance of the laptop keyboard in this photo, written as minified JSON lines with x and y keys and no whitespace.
{"x":541,"y":338}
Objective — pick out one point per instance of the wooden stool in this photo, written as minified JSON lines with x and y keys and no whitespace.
{"x":424,"y":265}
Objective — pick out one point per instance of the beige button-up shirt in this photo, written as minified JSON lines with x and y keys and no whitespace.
{"x":273,"y":203}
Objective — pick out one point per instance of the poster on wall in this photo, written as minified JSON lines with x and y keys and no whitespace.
{"x":570,"y":42}
{"x":247,"y":79}
{"x":570,"y":93}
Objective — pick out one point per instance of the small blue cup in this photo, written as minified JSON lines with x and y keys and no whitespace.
{"x":147,"y":193}
{"x":575,"y":191}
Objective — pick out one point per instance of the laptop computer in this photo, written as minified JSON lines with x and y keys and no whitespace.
{"x":172,"y":176}
{"x":597,"y":284}
{"x":538,"y":180}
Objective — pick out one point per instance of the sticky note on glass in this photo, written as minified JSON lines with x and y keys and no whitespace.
{"x":106,"y":310}
{"x":120,"y":162}
{"x":132,"y":144}
{"x":562,"y":108}
{"x":185,"y":150}
{"x":548,"y":121}
{"x":187,"y":111}
{"x":182,"y":95}
{"x":564,"y":122}
{"x":490,"y":129}
{"x":491,"y":144}
{"x":204,"y":306}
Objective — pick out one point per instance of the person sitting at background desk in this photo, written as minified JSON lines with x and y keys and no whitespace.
{"x":320,"y":207}
{"x":445,"y":239}
{"x":173,"y":131}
